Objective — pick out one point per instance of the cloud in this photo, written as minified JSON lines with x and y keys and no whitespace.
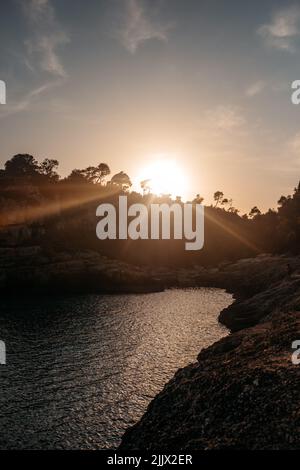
{"x":255,"y":88}
{"x":226,"y":118}
{"x":139,"y":25}
{"x":41,"y":55}
{"x":283,"y":29}
{"x":47,"y":37}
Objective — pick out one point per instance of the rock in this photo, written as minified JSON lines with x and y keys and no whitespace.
{"x":243,"y":391}
{"x":32,"y":269}
{"x":242,"y":394}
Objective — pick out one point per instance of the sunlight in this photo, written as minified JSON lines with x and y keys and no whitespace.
{"x":164,"y":176}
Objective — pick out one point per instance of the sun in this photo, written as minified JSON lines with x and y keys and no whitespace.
{"x":164,"y":176}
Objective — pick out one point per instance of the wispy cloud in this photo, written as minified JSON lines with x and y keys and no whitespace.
{"x":139,"y":24}
{"x":47,"y":37}
{"x":255,"y":88}
{"x":226,"y":118}
{"x":283,"y":29}
{"x":41,"y":57}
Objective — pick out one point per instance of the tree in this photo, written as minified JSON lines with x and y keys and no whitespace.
{"x":96,"y":174}
{"x":77,"y":177}
{"x":254,"y":212}
{"x":103,"y":172}
{"x":224,"y":202}
{"x":218,"y":197}
{"x":198,"y":199}
{"x":233,"y":210}
{"x":121,"y":180}
{"x":22,"y":165}
{"x":145,"y":185}
{"x":88,"y":173}
{"x":100,"y":172}
{"x":229,"y":203}
{"x":47,"y":168}
{"x":283,"y":200}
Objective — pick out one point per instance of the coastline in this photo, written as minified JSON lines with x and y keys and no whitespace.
{"x":32,"y":269}
{"x":242,"y":393}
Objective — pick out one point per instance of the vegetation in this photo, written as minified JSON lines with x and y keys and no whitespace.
{"x":33,"y":194}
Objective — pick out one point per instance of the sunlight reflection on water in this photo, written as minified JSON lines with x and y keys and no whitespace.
{"x":80,"y":370}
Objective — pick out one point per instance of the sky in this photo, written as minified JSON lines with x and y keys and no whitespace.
{"x":205,"y":84}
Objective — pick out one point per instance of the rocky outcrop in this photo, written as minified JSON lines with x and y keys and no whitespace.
{"x":41,"y":270}
{"x":282,"y":295}
{"x":258,"y":284}
{"x":34,"y":270}
{"x":243,"y":391}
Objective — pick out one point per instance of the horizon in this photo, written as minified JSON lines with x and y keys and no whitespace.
{"x":124,"y":82}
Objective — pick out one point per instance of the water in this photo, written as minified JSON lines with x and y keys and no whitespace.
{"x":81,"y":370}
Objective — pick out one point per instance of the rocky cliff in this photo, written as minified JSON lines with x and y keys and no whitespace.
{"x":242,"y":393}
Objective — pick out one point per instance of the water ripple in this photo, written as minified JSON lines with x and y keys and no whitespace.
{"x":80,"y":370}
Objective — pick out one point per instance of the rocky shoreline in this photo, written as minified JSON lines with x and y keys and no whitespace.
{"x":242,"y":393}
{"x":43,"y":270}
{"x":32,"y":270}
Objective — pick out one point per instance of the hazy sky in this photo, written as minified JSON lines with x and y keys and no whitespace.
{"x":206,"y":83}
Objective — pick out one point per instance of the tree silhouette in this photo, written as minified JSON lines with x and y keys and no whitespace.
{"x":96,"y":174}
{"x":21,"y":165}
{"x":198,"y":199}
{"x":100,"y":172}
{"x":47,"y":168}
{"x":145,"y":185}
{"x":218,"y":197}
{"x":224,"y":202}
{"x":121,"y":180}
{"x":254,"y":212}
{"x":233,"y":210}
{"x":77,"y":177}
{"x":283,"y":200}
{"x":103,"y":172}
